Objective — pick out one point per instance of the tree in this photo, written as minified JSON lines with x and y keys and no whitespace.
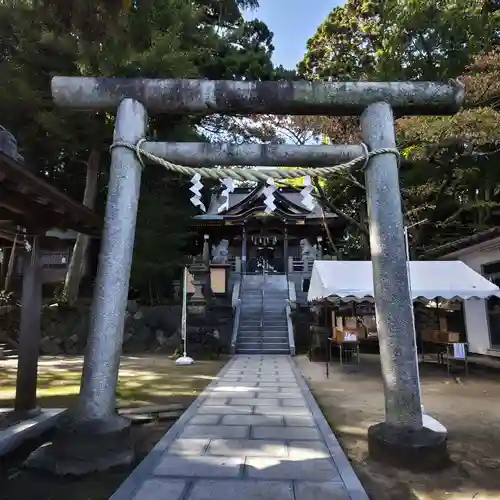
{"x":402,"y":40}
{"x":151,"y":38}
{"x":78,"y":257}
{"x":446,"y":174}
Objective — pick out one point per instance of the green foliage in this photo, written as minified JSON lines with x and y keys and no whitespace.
{"x":448,"y":175}
{"x":163,"y":234}
{"x":400,"y":39}
{"x":147,"y":38}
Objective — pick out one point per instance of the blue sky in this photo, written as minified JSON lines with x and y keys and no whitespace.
{"x":293,"y":22}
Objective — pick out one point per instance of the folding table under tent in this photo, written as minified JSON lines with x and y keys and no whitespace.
{"x":350,"y":280}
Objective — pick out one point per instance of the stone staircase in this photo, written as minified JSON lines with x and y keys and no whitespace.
{"x":263,"y":323}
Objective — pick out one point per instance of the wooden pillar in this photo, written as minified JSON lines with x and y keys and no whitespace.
{"x":244,"y":250}
{"x":3,"y":264}
{"x":285,"y":249}
{"x":29,"y":333}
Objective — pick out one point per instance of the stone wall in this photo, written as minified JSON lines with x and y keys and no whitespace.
{"x":146,"y":329}
{"x":301,"y":319}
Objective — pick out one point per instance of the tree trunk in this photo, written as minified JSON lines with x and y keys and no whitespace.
{"x":77,"y":263}
{"x":3,"y":264}
{"x":10,"y":268}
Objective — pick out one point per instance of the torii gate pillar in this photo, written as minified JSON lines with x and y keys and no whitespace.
{"x":401,"y":440}
{"x":95,"y":437}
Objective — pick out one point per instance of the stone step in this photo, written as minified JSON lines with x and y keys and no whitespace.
{"x":265,"y":326}
{"x":249,"y":345}
{"x":263,"y":340}
{"x":262,"y":351}
{"x":265,"y":321}
{"x":270,"y":319}
{"x":277,"y":300}
{"x":255,"y":317}
{"x":258,"y":300}
{"x":263,"y":345}
{"x":267,"y":302}
{"x":279,"y":315}
{"x":266,"y":338}
{"x":267,"y":333}
{"x":258,"y":294}
{"x":277,"y":333}
{"x":258,"y":309}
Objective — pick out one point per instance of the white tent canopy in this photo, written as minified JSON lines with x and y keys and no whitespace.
{"x":353,"y":280}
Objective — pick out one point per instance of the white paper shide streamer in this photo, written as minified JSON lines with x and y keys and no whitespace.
{"x":306,"y":193}
{"x":228,"y":184}
{"x":269,"y":194}
{"x":196,"y":188}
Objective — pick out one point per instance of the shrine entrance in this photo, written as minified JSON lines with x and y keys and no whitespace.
{"x":264,"y":240}
{"x":265,"y":255}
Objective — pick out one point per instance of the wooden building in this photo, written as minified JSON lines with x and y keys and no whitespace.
{"x":30,"y":210}
{"x":255,"y":238}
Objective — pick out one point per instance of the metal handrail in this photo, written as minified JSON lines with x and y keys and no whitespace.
{"x":236,"y":303}
{"x":262,"y":306}
{"x":236,"y":325}
{"x":289,"y":323}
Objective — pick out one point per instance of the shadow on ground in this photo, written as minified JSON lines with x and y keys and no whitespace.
{"x":143,"y":380}
{"x":352,"y":400}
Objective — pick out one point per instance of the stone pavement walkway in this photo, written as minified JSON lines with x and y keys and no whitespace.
{"x":254,"y":433}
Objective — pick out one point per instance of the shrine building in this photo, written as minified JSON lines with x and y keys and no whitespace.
{"x":279,"y":241}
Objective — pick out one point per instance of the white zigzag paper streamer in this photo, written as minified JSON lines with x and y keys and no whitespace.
{"x":306,"y":193}
{"x":269,"y":193}
{"x":195,"y":189}
{"x":228,"y":184}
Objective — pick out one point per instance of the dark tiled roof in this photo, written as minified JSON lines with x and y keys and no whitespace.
{"x":239,"y":197}
{"x":462,"y":243}
{"x":29,"y":201}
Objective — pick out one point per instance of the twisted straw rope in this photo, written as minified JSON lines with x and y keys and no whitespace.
{"x":246,"y":174}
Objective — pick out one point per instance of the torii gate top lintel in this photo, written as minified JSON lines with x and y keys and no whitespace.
{"x":258,"y":97}
{"x":375,"y":102}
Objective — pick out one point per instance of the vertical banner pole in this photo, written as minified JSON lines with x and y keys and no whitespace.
{"x":185,"y":359}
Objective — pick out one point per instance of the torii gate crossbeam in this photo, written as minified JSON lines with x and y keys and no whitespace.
{"x":401,"y":438}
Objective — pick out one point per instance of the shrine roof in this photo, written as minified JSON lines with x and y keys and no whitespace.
{"x":241,"y":202}
{"x":31,"y":202}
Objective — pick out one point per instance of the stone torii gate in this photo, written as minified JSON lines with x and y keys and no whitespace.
{"x":96,"y":437}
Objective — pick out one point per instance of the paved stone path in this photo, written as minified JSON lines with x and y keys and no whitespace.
{"x":256,"y":433}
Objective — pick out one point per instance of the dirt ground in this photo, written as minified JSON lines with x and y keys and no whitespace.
{"x":469,"y":407}
{"x":143,"y":380}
